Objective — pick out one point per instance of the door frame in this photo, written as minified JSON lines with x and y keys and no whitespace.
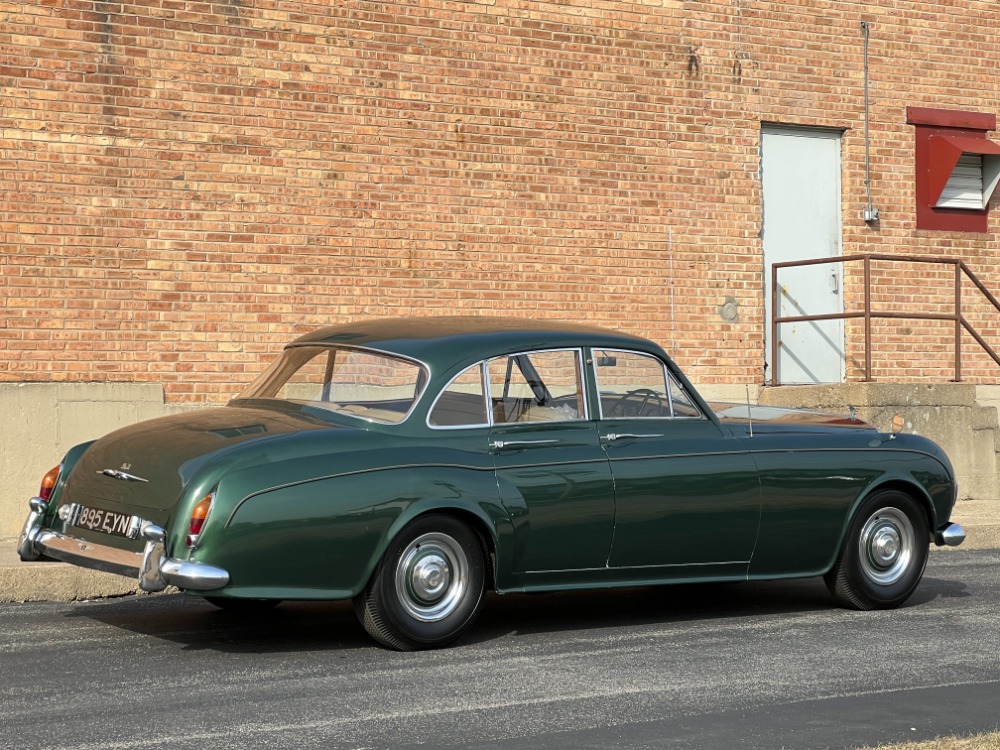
{"x":832,"y":133}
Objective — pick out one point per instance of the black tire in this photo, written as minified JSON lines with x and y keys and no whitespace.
{"x":247,"y":606}
{"x":428,"y":588}
{"x":884,"y":553}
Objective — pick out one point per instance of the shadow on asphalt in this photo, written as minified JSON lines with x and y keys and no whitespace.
{"x":937,"y":588}
{"x":331,"y":626}
{"x":196,"y":624}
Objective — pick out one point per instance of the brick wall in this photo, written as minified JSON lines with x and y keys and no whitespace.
{"x":186,"y":185}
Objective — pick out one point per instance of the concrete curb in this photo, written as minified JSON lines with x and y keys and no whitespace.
{"x":60,"y":582}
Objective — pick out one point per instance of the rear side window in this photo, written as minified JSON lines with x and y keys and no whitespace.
{"x":545,"y":386}
{"x":462,"y":403}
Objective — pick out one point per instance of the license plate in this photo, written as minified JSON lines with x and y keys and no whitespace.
{"x":105,"y":521}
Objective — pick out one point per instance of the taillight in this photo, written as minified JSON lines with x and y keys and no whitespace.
{"x":198,"y":516}
{"x":49,"y":483}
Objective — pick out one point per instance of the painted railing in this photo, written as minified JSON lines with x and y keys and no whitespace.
{"x":961,"y":270}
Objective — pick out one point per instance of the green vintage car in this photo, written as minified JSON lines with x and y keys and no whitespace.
{"x":411,"y":465}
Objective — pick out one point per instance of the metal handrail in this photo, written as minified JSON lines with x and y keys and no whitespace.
{"x":868,"y":314}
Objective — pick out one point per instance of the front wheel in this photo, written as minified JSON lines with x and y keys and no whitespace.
{"x":884,"y":554}
{"x":428,"y":587}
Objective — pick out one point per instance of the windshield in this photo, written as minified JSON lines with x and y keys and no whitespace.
{"x":357,"y":382}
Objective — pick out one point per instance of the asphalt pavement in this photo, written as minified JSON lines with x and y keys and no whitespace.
{"x":762,"y":665}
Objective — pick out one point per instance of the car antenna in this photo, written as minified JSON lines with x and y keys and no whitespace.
{"x":749,"y":417}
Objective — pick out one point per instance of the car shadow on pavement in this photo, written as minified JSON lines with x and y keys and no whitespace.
{"x":526,"y":614}
{"x":931,"y":588}
{"x":196,"y":624}
{"x":332,"y":626}
{"x":648,"y":605}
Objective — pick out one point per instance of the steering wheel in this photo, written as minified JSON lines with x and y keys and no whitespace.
{"x":623,"y":406}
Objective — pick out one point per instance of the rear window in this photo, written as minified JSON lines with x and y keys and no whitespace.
{"x":357,"y":382}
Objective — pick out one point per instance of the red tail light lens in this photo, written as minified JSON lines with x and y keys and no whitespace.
{"x":198,"y":516}
{"x":49,"y":483}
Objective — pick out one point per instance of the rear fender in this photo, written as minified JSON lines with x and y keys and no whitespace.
{"x":322,"y":539}
{"x":490,"y":517}
{"x":66,"y":467}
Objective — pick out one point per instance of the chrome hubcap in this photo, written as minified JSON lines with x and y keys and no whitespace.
{"x":886,"y":546}
{"x":432,"y":577}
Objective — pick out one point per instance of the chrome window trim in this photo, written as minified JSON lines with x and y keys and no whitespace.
{"x":581,"y":385}
{"x":424,"y":367}
{"x":668,"y":378}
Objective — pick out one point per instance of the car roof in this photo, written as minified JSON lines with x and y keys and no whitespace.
{"x":446,"y":340}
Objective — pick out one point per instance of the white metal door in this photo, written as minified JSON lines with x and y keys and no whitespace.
{"x":800,"y":174}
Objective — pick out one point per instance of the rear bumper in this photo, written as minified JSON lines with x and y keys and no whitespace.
{"x":152,"y":567}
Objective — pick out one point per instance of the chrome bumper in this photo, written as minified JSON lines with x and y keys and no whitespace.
{"x":951,"y":535}
{"x":152,"y":567}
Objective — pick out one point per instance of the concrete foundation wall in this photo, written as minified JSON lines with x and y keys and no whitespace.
{"x":41,"y":421}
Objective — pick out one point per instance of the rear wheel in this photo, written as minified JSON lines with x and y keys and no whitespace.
{"x":884,"y":554}
{"x":428,"y":588}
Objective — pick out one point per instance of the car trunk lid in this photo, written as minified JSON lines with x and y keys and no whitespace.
{"x":148,"y":465}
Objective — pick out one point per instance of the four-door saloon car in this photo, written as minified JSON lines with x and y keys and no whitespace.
{"x":412,"y":465}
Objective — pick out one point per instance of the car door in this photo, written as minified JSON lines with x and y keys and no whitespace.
{"x":687,"y":495}
{"x":552,"y":472}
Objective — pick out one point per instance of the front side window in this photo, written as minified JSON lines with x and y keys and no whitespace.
{"x":358,"y":382}
{"x":537,"y":387}
{"x":680,"y":402}
{"x":633,"y":385}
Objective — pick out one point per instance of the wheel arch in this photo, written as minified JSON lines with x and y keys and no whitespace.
{"x":475,"y":518}
{"x":906,"y":486}
{"x":870,"y":572}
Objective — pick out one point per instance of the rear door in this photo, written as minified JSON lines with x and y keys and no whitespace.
{"x":552,"y":473}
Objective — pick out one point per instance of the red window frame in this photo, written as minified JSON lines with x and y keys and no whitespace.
{"x":941,"y":136}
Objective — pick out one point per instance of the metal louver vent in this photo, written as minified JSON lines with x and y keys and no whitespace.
{"x":964,"y":188}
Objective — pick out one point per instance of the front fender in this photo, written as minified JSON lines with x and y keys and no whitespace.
{"x":810,"y":497}
{"x":926,"y":478}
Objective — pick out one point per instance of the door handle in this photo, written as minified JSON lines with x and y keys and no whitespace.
{"x":499,"y":445}
{"x":834,"y":282}
{"x":613,"y":436}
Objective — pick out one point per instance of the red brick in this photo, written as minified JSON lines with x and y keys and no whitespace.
{"x":181,"y":173}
